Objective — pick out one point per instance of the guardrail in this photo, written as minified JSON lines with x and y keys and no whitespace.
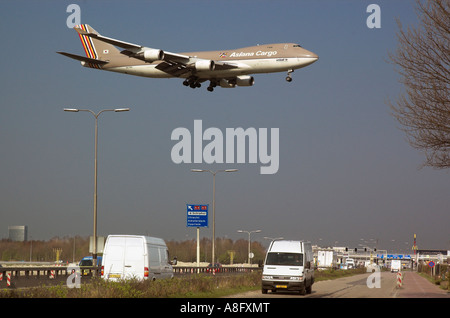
{"x":88,"y":270}
{"x":44,"y":271}
{"x":205,"y":269}
{"x":21,"y":274}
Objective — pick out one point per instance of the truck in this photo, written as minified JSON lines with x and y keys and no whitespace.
{"x":326,"y":259}
{"x":396,"y":265}
{"x":87,"y":262}
{"x":136,"y":257}
{"x":288,"y":266}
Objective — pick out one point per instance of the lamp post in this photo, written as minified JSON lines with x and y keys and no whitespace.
{"x":249,"y":242}
{"x":96,"y":115}
{"x":214,"y":205}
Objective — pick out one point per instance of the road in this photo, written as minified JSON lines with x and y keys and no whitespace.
{"x":356,"y":287}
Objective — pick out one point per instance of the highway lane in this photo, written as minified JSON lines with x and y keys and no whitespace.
{"x":416,"y":286}
{"x":356,"y":287}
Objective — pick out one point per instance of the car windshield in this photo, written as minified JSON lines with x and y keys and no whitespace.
{"x":86,"y":262}
{"x":292,"y":259}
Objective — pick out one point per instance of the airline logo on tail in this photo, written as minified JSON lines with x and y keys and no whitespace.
{"x":88,"y":45}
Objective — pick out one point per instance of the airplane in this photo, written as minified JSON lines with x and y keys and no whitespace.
{"x":224,"y":68}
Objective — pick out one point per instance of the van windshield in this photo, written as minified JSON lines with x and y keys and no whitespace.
{"x":291,"y":259}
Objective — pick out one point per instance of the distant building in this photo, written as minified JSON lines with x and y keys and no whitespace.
{"x":18,"y":233}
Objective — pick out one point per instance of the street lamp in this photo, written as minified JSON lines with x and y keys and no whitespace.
{"x":96,"y":115}
{"x":214,"y":204}
{"x":249,"y":242}
{"x":273,"y":238}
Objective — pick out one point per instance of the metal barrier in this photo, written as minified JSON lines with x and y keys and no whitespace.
{"x":43,"y":271}
{"x":205,"y":269}
{"x":11,"y":275}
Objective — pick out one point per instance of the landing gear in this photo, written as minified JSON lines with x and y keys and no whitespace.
{"x":288,"y":77}
{"x":211,"y":86}
{"x":192,"y":82}
{"x":195,"y":82}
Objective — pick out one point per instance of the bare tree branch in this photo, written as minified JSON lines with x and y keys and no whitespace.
{"x":422,"y":59}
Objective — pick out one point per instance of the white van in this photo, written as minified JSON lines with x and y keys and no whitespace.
{"x":135,"y":256}
{"x":289,"y":265}
{"x":396,"y":265}
{"x":350,"y":263}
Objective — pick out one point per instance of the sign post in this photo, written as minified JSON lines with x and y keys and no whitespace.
{"x":431,"y":264}
{"x":197,"y":216}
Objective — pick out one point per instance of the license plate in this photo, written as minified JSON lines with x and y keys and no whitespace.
{"x":114,"y":276}
{"x":281,"y":286}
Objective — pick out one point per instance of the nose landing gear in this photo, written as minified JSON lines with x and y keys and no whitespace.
{"x":288,"y":77}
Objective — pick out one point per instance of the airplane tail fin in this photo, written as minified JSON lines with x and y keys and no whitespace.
{"x":94,"y":48}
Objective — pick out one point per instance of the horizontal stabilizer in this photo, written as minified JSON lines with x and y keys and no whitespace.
{"x":83,"y":58}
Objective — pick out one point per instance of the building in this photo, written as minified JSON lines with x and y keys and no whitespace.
{"x":18,"y":233}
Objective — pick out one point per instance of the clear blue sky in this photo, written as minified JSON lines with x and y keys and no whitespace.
{"x":347,"y":174}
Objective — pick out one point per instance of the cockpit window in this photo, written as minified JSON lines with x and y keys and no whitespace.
{"x":296,"y":45}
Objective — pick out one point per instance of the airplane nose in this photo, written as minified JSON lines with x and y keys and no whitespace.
{"x":310,"y":54}
{"x":307,"y":58}
{"x":314,"y":55}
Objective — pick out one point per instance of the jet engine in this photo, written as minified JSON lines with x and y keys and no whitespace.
{"x":204,"y":65}
{"x":153,"y":55}
{"x":227,"y":83}
{"x":245,"y":80}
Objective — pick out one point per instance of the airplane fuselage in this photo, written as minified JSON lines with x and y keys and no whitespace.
{"x":225,"y":68}
{"x":251,"y":60}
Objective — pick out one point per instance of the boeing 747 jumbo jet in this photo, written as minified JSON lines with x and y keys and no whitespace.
{"x":226,"y":68}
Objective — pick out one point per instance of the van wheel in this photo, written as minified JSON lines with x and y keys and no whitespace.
{"x":309,"y":289}
{"x":302,"y":291}
{"x":263,"y":290}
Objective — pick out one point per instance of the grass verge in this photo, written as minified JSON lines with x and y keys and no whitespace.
{"x":192,"y":286}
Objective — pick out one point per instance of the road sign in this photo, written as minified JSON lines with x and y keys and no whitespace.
{"x":431,"y":264}
{"x":394,"y":256}
{"x":196,"y":215}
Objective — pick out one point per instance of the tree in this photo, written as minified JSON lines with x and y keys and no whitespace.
{"x":422,"y":59}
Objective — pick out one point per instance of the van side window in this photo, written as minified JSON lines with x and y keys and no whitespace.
{"x":154,"y":256}
{"x":163,"y":252}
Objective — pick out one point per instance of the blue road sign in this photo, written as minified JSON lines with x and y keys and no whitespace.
{"x":197,"y":215}
{"x":394,"y":256}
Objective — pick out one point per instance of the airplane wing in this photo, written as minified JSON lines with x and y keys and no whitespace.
{"x":172,"y":63}
{"x":83,"y":58}
{"x":133,"y":50}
